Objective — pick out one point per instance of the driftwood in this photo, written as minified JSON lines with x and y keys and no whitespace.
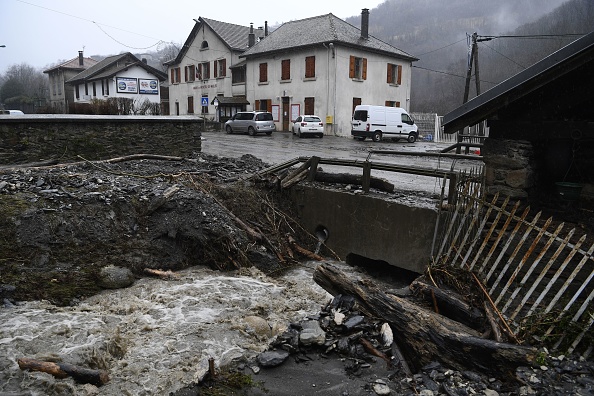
{"x":63,"y":370}
{"x":297,"y":175}
{"x":161,"y":274}
{"x":348,"y":178}
{"x":424,"y":336}
{"x":302,"y":250}
{"x":449,"y":304}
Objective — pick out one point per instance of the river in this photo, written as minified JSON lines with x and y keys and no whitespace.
{"x":156,"y":336}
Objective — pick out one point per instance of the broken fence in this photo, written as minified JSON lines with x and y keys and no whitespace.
{"x":537,"y":272}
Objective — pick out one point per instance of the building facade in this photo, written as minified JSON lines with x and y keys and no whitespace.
{"x":62,"y":94}
{"x":325,"y":66}
{"x":208,"y":67}
{"x":320,"y":65}
{"x":119,"y":76}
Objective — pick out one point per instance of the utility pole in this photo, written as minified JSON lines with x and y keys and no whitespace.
{"x":473,"y":58}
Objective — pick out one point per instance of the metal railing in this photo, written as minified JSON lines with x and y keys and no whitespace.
{"x":367,"y":166}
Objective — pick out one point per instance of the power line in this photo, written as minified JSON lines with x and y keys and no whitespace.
{"x":98,"y":25}
{"x":533,"y":36}
{"x":445,"y":46}
{"x":449,"y":74}
{"x":508,"y":58}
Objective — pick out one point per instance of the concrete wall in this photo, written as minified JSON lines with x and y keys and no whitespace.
{"x":34,"y":138}
{"x":369,"y":226}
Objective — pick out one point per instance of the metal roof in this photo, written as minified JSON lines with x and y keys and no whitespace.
{"x":74,"y":64}
{"x":319,"y":30}
{"x":112,"y":65}
{"x":235,"y":37}
{"x":557,"y":64}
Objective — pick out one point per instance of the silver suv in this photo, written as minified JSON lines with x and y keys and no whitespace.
{"x":251,"y":122}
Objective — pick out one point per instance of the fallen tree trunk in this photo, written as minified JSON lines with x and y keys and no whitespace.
{"x":450,"y":305}
{"x":62,"y":370}
{"x":425,"y":336}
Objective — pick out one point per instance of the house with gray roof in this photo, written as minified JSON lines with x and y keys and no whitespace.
{"x":325,"y":66}
{"x":208,"y":67}
{"x":62,"y":94}
{"x":320,"y":65}
{"x":119,"y":76}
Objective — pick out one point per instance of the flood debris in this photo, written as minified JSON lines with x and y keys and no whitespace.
{"x":81,"y":375}
{"x":423,"y":335}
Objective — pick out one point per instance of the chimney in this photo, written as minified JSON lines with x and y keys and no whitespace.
{"x":365,"y":23}
{"x":251,"y":36}
{"x":265,"y":28}
{"x":81,"y":61}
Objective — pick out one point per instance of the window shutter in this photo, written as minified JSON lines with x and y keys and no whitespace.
{"x":263,"y":72}
{"x":397,"y":104}
{"x":352,"y":67}
{"x":286,"y":69}
{"x":399,"y":79}
{"x":172,"y":75}
{"x":177,"y":74}
{"x":364,"y":68}
{"x":387,"y":103}
{"x":310,"y":66}
{"x":389,"y":79}
{"x":223,"y":67}
{"x":216,"y":68}
{"x":186,"y":73}
{"x":199,"y":72}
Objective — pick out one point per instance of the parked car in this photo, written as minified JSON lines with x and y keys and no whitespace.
{"x":251,"y":122}
{"x":11,"y":112}
{"x":308,"y":125}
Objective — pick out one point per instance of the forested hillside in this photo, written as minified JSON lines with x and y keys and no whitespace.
{"x":438,"y":34}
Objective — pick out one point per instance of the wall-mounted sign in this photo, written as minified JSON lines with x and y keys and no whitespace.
{"x":150,"y":87}
{"x":127,"y":85}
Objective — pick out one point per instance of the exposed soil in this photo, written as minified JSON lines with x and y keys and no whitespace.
{"x":61,"y":224}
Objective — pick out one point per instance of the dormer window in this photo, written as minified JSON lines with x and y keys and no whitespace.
{"x":204,"y":45}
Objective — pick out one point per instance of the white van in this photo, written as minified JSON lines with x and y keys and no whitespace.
{"x":377,"y":122}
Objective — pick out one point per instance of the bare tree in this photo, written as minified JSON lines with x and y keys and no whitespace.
{"x":24,"y":87}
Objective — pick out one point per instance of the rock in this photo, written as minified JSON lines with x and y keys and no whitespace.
{"x":257,"y":326}
{"x":272,"y":358}
{"x":113,"y":277}
{"x":312,"y":333}
{"x":353,"y":321}
{"x":380,"y":388}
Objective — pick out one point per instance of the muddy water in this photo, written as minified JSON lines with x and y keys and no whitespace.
{"x":156,"y":336}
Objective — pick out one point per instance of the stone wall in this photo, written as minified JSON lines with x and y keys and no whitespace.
{"x":38,"y":138}
{"x":510,"y":167}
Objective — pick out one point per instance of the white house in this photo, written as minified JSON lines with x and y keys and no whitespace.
{"x":119,"y":76}
{"x":325,"y":66}
{"x":208,"y":66}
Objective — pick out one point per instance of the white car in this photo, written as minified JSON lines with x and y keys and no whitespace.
{"x":12,"y":112}
{"x":308,"y":125}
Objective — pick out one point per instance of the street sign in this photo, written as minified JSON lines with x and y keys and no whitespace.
{"x":204,"y":101}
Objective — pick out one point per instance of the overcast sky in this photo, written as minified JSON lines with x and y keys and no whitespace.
{"x":42,"y":33}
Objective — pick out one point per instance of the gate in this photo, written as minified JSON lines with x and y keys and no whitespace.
{"x":538,"y":273}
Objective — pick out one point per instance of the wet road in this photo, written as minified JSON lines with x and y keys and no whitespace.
{"x":284,"y":146}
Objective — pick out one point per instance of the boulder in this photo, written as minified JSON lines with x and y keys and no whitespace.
{"x":113,"y":277}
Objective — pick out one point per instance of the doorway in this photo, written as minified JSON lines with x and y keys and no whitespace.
{"x":286,"y":113}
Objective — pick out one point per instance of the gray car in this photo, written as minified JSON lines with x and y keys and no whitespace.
{"x":251,"y":122}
